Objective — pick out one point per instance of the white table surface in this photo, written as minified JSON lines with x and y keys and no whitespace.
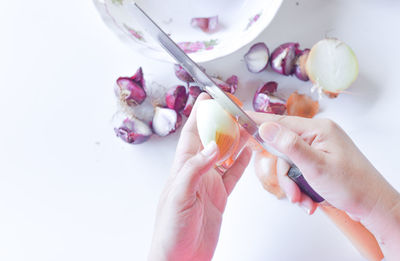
{"x":70,"y":190}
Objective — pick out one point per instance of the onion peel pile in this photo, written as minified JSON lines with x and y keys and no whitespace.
{"x":301,"y":105}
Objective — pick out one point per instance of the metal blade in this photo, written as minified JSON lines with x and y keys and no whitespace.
{"x":195,"y":71}
{"x":212,"y":88}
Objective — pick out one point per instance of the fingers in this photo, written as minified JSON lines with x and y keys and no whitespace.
{"x":189,"y":140}
{"x":232,"y":176}
{"x":292,"y":190}
{"x":296,"y":124}
{"x":292,"y":145}
{"x":189,"y":176}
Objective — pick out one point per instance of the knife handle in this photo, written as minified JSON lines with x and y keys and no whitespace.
{"x":296,"y":175}
{"x":294,"y":172}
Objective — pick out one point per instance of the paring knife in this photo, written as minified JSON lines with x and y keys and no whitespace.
{"x":215,"y":92}
{"x":355,"y":231}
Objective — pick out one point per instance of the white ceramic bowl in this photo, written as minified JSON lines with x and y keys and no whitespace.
{"x":240,"y":21}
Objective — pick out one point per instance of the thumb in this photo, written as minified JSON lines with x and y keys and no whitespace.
{"x":196,"y":166}
{"x":291,"y":144}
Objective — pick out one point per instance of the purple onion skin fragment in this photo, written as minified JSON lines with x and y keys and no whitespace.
{"x":268,"y":88}
{"x":206,"y":24}
{"x":300,"y":66}
{"x":283,"y":58}
{"x":265,"y":101}
{"x":194,"y":92}
{"x":257,"y":58}
{"x":176,"y":98}
{"x":233,"y":82}
{"x":230,"y":85}
{"x":165,"y":121}
{"x":138,"y":77}
{"x":181,"y":74}
{"x":134,"y":131}
{"x":130,"y":91}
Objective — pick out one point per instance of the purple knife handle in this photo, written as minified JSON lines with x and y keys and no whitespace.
{"x":296,"y":175}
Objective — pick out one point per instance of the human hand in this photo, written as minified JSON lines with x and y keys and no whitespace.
{"x":337,"y":170}
{"x":190,"y":210}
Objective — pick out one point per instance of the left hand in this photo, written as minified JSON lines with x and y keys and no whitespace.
{"x":191,"y":207}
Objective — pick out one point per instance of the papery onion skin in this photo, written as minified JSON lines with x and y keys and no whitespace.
{"x":182,"y":74}
{"x":257,"y":58}
{"x":301,"y":105}
{"x":134,"y":131}
{"x":129,"y":92}
{"x":176,"y":98}
{"x":194,"y":92}
{"x":283,"y":58}
{"x":265,"y":101}
{"x":230,"y":85}
{"x":300,"y":66}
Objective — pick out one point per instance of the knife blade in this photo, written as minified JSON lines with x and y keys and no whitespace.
{"x":208,"y":84}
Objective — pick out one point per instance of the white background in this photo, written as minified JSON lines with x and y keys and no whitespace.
{"x":70,"y":190}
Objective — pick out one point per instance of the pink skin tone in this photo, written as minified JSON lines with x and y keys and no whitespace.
{"x":192,"y":204}
{"x":191,"y":207}
{"x":320,"y":148}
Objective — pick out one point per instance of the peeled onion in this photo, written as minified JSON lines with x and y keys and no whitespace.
{"x":332,"y":66}
{"x":215,"y":124}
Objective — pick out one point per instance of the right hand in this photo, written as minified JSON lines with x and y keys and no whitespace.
{"x":336,"y":169}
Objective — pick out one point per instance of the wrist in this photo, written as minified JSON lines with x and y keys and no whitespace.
{"x":384,"y":218}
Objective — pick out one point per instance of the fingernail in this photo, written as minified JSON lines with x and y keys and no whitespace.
{"x":210,"y":149}
{"x":269,"y":131}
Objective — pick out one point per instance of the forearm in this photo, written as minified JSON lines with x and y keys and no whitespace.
{"x":384,"y":222}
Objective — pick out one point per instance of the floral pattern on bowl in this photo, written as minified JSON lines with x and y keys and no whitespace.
{"x":236,"y":29}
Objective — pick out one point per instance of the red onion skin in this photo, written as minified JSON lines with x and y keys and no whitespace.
{"x":130,"y":91}
{"x":252,"y":49}
{"x":130,"y":132}
{"x":262,"y":101}
{"x":194,"y":92}
{"x":285,"y":64}
{"x":300,"y":66}
{"x":176,"y":98}
{"x":181,"y":74}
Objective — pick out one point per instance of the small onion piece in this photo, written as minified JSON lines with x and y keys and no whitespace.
{"x":257,"y":58}
{"x":165,"y":121}
{"x":129,"y":91}
{"x":182,"y":74}
{"x":230,"y":85}
{"x":283,"y":58}
{"x":176,"y":98}
{"x":265,"y":101}
{"x":300,"y":66}
{"x":194,"y":92}
{"x":332,"y":66}
{"x":206,"y":24}
{"x":134,"y":131}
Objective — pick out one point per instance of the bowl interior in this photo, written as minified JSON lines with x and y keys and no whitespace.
{"x":240,"y":21}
